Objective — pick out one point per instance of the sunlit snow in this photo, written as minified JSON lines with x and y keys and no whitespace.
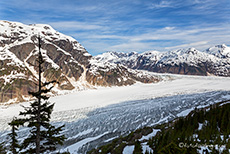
{"x":94,"y":116}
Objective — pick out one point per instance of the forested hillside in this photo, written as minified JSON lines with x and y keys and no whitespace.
{"x":203,"y":130}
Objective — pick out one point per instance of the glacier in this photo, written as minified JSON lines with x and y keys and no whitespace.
{"x":93,"y":117}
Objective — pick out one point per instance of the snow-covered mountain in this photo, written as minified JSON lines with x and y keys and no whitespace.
{"x":66,"y":61}
{"x":213,"y":61}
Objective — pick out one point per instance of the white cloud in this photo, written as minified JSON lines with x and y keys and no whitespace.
{"x":75,"y":25}
{"x":162,"y":4}
{"x":189,"y":45}
{"x":166,"y":39}
{"x":102,"y":36}
{"x":169,"y":28}
{"x":131,"y":46}
{"x":202,"y":1}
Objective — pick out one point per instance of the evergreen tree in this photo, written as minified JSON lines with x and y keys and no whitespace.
{"x":137,"y":148}
{"x":43,"y":136}
{"x":224,"y":121}
{"x":14,"y":145}
{"x":148,"y":152}
{"x":173,"y":148}
{"x":2,"y":148}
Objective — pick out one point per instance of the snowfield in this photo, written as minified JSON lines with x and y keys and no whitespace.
{"x":93,"y":117}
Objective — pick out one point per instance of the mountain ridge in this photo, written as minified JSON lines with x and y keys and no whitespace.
{"x":66,"y":61}
{"x":215,"y":61}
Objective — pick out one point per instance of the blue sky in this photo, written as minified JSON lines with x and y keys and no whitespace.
{"x":129,"y":25}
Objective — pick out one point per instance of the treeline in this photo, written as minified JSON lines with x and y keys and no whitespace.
{"x":203,"y":130}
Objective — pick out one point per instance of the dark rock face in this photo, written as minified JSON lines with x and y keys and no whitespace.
{"x":69,"y":66}
{"x":112,"y":77}
{"x":15,"y":82}
{"x":22,"y":51}
{"x":117,"y":75}
{"x":180,"y":69}
{"x":78,"y":54}
{"x":16,"y":90}
{"x":202,"y":69}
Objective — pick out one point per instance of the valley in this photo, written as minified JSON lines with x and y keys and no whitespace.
{"x":95,"y":116}
{"x":102,"y":97}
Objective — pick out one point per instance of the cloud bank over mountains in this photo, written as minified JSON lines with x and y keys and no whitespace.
{"x":129,"y":25}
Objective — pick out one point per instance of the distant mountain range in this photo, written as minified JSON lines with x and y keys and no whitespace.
{"x":66,"y":61}
{"x":213,"y":61}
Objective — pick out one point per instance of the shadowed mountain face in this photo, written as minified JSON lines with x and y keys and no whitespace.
{"x":213,"y":61}
{"x":66,"y":61}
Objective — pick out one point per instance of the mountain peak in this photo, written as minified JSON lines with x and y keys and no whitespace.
{"x":220,"y":51}
{"x":44,"y":26}
{"x":221,"y":46}
{"x":192,"y":51}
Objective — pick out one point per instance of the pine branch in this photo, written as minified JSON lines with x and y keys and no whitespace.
{"x":44,"y":97}
{"x":38,"y":95}
{"x":47,"y":83}
{"x":46,"y":90}
{"x":14,"y":145}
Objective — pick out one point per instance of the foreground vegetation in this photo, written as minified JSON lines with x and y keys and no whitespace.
{"x":203,"y":130}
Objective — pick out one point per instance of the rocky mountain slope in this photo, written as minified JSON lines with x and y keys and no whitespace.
{"x":66,"y":61}
{"x":213,"y":61}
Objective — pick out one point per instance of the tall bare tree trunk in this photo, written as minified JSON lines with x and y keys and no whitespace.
{"x":38,"y":135}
